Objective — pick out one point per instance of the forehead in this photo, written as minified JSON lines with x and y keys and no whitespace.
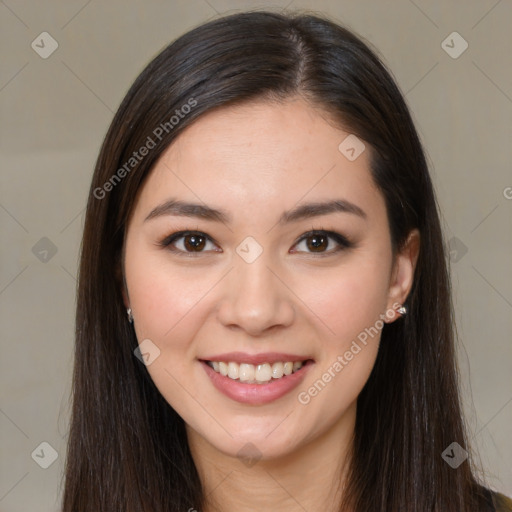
{"x":261,"y":155}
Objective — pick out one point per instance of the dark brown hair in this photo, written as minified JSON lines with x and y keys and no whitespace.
{"x":127,"y":448}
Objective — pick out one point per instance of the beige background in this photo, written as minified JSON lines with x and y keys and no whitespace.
{"x":55,"y":112}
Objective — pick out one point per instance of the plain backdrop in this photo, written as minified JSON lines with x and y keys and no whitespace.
{"x":56,"y":110}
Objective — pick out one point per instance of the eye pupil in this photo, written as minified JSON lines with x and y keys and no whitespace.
{"x":317,"y":241}
{"x":194,"y":242}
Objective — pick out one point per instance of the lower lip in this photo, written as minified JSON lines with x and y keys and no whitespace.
{"x":256,"y":394}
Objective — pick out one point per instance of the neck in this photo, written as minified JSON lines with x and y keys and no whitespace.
{"x":312,"y":477}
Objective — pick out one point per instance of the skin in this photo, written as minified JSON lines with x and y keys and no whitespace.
{"x":255,"y":161}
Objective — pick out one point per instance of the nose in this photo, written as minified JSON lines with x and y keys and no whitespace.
{"x":255,"y":298}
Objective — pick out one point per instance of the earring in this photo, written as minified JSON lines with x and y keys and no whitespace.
{"x":130,"y":316}
{"x":402,"y":310}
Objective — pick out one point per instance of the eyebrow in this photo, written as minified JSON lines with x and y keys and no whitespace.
{"x":184,"y":209}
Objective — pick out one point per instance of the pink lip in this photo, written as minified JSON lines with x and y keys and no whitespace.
{"x":256,"y":394}
{"x":267,"y":357}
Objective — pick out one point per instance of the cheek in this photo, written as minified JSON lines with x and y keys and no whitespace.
{"x":350,"y":306}
{"x":168,"y":310}
{"x":163,"y":297}
{"x":347,"y":300}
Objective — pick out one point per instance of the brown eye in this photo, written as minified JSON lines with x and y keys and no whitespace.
{"x":318,"y":241}
{"x":187,"y":243}
{"x":194,"y":242}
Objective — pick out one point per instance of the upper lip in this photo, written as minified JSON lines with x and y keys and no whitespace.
{"x":266,"y":357}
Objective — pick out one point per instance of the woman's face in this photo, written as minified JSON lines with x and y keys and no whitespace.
{"x":249,"y":291}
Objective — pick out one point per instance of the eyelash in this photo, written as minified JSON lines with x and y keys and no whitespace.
{"x":342,"y":241}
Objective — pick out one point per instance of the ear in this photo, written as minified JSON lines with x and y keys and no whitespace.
{"x":121,"y":282}
{"x":402,"y":275}
{"x":126,"y":300}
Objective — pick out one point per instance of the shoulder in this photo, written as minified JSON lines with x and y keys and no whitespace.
{"x":501,"y":502}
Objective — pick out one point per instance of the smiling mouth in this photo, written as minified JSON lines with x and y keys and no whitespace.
{"x":257,"y":374}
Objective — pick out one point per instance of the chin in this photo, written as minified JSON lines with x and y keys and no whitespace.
{"x":263,"y":440}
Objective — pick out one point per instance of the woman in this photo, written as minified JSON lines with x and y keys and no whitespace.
{"x":264,"y":315}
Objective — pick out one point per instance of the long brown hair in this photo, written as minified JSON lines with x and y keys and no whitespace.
{"x":127,"y":448}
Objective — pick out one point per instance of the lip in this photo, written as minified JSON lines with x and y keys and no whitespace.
{"x":257,"y":394}
{"x":267,"y":357}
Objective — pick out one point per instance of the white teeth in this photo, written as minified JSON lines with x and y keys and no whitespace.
{"x":263,"y":373}
{"x":277,"y":370}
{"x":258,"y":374}
{"x":246,"y":372}
{"x":223,"y":368}
{"x":233,"y":370}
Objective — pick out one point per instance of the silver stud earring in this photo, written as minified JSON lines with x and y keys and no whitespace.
{"x":130,"y":316}
{"x":402,"y":310}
